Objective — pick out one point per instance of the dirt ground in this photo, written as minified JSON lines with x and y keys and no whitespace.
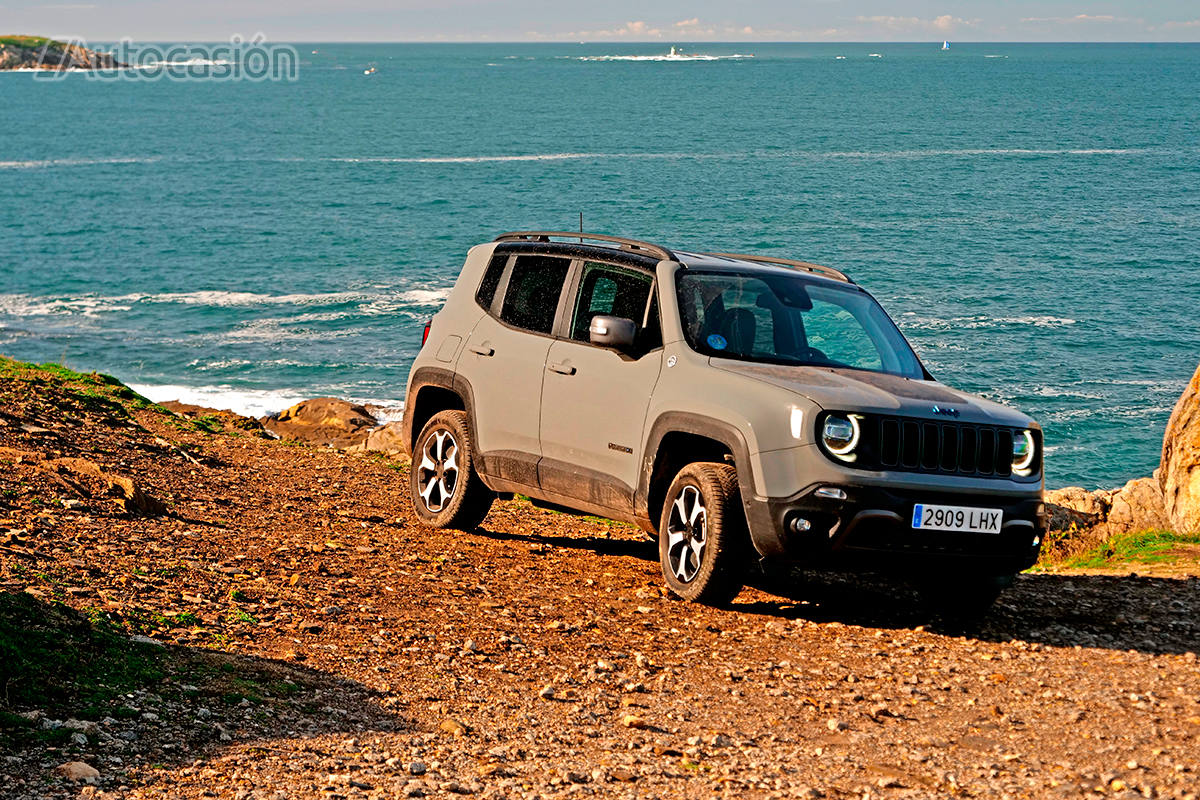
{"x":317,"y":642}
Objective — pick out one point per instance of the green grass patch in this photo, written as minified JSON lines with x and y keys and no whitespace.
{"x":77,"y":392}
{"x":1144,"y":547}
{"x":52,"y":656}
{"x":29,"y":41}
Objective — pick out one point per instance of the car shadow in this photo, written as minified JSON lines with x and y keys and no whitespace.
{"x":641,"y":548}
{"x":74,"y":684}
{"x":1156,"y":615}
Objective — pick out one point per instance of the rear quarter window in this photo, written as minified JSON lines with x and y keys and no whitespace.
{"x":490,"y":282}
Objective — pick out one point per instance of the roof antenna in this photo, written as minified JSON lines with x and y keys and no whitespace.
{"x":581,"y":226}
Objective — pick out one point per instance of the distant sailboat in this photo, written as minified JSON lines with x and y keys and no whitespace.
{"x":945,"y":45}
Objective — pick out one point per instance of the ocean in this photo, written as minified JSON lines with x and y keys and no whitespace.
{"x":1028,"y":214}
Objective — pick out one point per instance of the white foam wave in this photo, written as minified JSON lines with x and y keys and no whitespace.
{"x":229,"y":299}
{"x":190,"y":62}
{"x":257,"y":402}
{"x":910,"y":320}
{"x":669,"y":57}
{"x":250,"y":402}
{"x":474,"y":159}
{"x":21,"y":305}
{"x":993,"y":151}
{"x":75,"y":162}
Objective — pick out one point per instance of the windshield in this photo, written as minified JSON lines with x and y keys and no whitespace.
{"x":790,"y":319}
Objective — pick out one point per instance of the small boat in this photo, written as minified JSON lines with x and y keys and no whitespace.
{"x":875,"y":55}
{"x":945,"y":45}
{"x":370,"y":71}
{"x":840,"y":58}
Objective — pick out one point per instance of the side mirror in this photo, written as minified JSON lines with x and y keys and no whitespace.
{"x":616,"y":332}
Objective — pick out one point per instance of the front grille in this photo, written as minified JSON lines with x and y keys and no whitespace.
{"x":936,"y":446}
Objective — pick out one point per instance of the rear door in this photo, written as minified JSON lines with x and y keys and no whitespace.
{"x":594,"y":399}
{"x":504,"y":361}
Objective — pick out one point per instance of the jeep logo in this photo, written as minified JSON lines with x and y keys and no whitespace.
{"x":945,"y":411}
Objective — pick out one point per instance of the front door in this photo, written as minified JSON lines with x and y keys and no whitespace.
{"x":594,"y":399}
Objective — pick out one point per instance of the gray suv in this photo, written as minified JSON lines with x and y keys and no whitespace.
{"x":744,"y":410}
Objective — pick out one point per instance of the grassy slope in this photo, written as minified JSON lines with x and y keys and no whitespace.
{"x":29,"y":42}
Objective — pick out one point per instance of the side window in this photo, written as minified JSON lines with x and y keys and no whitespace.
{"x":612,"y":291}
{"x":534,"y":287}
{"x":491,"y":280}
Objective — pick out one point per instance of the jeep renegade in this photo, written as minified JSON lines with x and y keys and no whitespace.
{"x":739,"y":408}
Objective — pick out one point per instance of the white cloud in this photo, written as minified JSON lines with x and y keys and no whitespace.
{"x":942,"y":24}
{"x":1077,"y":19}
{"x":688,"y":23}
{"x":1191,"y":23}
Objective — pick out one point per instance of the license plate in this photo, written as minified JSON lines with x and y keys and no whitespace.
{"x":956,"y":518}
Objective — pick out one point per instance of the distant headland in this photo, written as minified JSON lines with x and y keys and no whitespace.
{"x":39,"y":52}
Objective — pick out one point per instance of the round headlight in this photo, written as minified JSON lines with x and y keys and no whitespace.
{"x":840,"y":435}
{"x":1024,"y":452}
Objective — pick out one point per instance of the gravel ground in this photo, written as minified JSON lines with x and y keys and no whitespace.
{"x":317,"y":642}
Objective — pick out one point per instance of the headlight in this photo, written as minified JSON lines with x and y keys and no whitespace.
{"x":1024,"y":452}
{"x":841,"y":435}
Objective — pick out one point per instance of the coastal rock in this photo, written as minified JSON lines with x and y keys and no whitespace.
{"x":386,"y":439}
{"x":38,"y":52}
{"x":323,"y":421}
{"x":1137,"y":506}
{"x":1179,"y":474}
{"x":213,"y":418}
{"x":1076,"y":507}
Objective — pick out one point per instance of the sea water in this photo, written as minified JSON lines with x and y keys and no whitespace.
{"x":1028,"y":214}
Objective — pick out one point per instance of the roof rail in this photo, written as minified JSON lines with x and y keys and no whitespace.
{"x":828,"y":272}
{"x":631,"y":245}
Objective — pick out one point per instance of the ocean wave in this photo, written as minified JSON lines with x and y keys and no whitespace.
{"x":23,"y":305}
{"x":250,"y":402}
{"x":910,"y":320}
{"x":668,"y":57}
{"x":473,"y":159}
{"x":258,"y":402}
{"x":191,"y":62}
{"x":77,"y":162}
{"x":969,"y":151}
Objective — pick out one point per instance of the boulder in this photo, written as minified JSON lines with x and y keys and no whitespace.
{"x":323,"y":421}
{"x":386,"y":439}
{"x":79,"y":772}
{"x":1138,"y":506}
{"x":1179,"y":473}
{"x":1076,"y":507}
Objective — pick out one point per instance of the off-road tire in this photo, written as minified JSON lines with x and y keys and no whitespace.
{"x":720,"y":574}
{"x":468,"y":499}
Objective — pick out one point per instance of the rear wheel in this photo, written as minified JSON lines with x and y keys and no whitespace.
{"x":702,"y":535}
{"x":446,"y":490}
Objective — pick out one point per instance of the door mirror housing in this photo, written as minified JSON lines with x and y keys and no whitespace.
{"x":615,"y":332}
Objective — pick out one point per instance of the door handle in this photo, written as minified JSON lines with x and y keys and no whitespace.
{"x":561,"y":368}
{"x":482,"y":350}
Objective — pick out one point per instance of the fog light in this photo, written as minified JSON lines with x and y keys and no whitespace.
{"x":800,"y":525}
{"x":831,"y":493}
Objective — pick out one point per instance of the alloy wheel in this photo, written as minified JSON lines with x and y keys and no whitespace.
{"x":687,"y":534}
{"x":437,"y":473}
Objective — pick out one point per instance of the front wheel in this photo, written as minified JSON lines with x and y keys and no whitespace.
{"x":702,"y":535}
{"x":446,"y":490}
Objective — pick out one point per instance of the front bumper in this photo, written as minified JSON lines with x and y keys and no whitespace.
{"x":871,"y":529}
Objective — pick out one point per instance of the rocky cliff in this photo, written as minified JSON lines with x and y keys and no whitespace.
{"x":1169,"y":500}
{"x":38,"y":52}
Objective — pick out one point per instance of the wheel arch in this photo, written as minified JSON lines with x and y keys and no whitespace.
{"x":432,"y":390}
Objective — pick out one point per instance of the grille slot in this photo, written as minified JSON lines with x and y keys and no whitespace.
{"x":948,"y":448}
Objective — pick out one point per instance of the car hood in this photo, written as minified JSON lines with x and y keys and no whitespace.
{"x":875,"y":392}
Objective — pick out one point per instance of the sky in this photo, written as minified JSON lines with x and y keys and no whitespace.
{"x":611,"y":20}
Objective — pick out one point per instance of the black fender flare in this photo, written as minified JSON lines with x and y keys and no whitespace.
{"x":443,"y":379}
{"x":764,"y":537}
